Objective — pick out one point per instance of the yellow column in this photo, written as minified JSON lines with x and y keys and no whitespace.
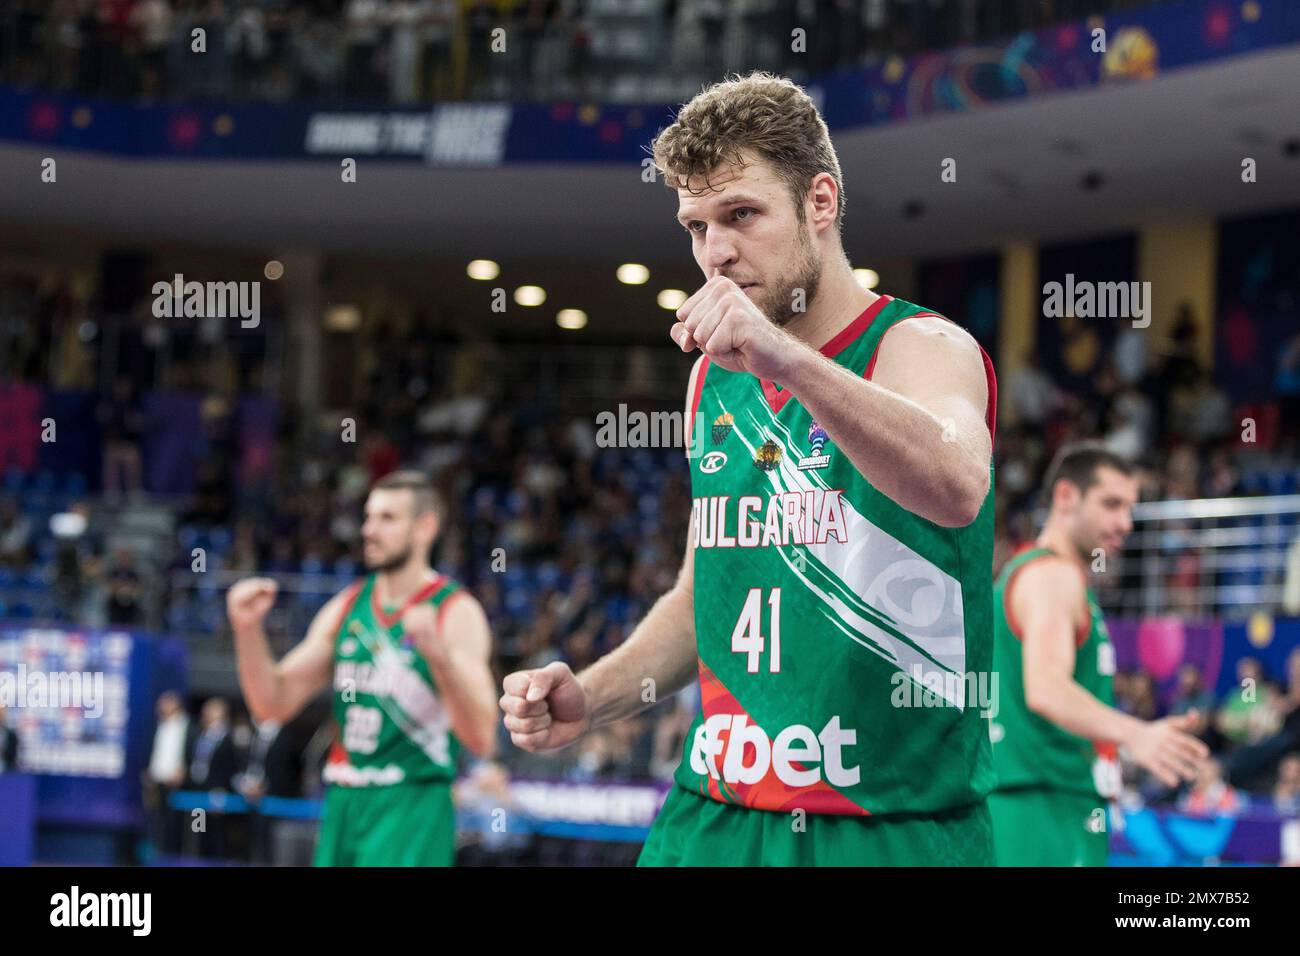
{"x":1021,"y":301}
{"x":1179,"y":259}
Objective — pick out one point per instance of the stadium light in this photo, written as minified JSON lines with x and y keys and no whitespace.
{"x":483,"y":269}
{"x":867,"y":278}
{"x":671,"y":299}
{"x":633,"y":273}
{"x":530,"y":295}
{"x":571,"y":319}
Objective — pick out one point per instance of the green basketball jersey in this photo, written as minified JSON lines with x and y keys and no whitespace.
{"x":823,"y":610}
{"x":392,"y":726}
{"x":1029,"y":750}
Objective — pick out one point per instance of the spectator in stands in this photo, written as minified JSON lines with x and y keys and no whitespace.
{"x":76,"y":559}
{"x":151,"y":23}
{"x":403,"y":19}
{"x":1142,"y":696}
{"x":122,"y":425}
{"x":437,"y":27}
{"x":212,"y":765}
{"x":1248,"y":713}
{"x":1211,"y":795}
{"x":124,"y":590}
{"x":8,"y":743}
{"x":364,"y":29}
{"x":15,"y":535}
{"x":1286,"y":792}
{"x":1192,"y":695}
{"x":166,"y":772}
{"x":1034,"y":396}
{"x":212,"y":759}
{"x":315,"y":48}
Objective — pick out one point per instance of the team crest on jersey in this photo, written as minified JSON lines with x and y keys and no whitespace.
{"x":817,"y":437}
{"x":347,"y":647}
{"x":722,"y":426}
{"x":768,"y":456}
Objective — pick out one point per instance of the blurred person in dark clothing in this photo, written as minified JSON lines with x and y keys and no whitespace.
{"x":212,"y":758}
{"x":124,"y":590}
{"x":121,"y":426}
{"x":269,"y":770}
{"x":15,"y":535}
{"x":212,"y":766}
{"x":1192,"y":695}
{"x":8,"y":744}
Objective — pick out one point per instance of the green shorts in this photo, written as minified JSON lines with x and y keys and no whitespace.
{"x":407,"y":824}
{"x":1043,"y":826}
{"x":692,"y":830}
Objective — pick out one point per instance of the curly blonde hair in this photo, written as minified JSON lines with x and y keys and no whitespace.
{"x":769,"y":115}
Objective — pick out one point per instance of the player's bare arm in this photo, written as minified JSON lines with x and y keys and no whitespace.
{"x":1050,"y":602}
{"x":916,"y":431}
{"x":458,"y":649}
{"x":549,"y":708}
{"x":278,"y":691}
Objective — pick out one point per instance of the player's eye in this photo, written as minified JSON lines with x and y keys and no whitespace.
{"x":750,"y":209}
{"x":690,"y":226}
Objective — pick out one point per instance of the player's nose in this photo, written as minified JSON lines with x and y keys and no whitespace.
{"x":720,"y":252}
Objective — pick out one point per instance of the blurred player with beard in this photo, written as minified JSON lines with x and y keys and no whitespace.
{"x":407,"y":652}
{"x":841,"y":536}
{"x":1055,"y":732}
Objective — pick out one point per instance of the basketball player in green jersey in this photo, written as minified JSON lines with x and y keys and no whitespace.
{"x":839,"y":554}
{"x":1055,"y":733}
{"x":406,"y":651}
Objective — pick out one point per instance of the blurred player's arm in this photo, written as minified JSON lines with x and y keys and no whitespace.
{"x":278,"y":691}
{"x":458,"y":649}
{"x":1049,"y":600}
{"x":917,"y":429}
{"x":550,"y":708}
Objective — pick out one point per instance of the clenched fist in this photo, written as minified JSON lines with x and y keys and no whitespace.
{"x":726,"y":325}
{"x":249,"y":601}
{"x":421,"y":624}
{"x":545,"y":709}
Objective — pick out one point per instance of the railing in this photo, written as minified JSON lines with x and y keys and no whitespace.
{"x":1210,"y":557}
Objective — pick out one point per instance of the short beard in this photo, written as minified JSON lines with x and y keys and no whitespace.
{"x":392,"y":564}
{"x":806,"y":274}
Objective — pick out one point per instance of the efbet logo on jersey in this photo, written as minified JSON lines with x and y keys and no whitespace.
{"x":818,"y":438}
{"x":722,"y":426}
{"x":799,"y":756}
{"x":768,"y":456}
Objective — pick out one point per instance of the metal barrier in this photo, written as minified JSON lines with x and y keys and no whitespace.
{"x":1201,"y":558}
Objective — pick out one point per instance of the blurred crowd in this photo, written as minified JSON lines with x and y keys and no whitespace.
{"x":567,"y":544}
{"x":1253,"y":732}
{"x":402,"y":51}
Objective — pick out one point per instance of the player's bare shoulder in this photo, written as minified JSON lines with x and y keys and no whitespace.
{"x":1050,"y":581}
{"x":925,"y":344}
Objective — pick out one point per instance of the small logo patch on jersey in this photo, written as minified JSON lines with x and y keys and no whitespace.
{"x":713,"y":462}
{"x":769,"y":456}
{"x":348,"y":647}
{"x":817,"y":437}
{"x":722,"y":426}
